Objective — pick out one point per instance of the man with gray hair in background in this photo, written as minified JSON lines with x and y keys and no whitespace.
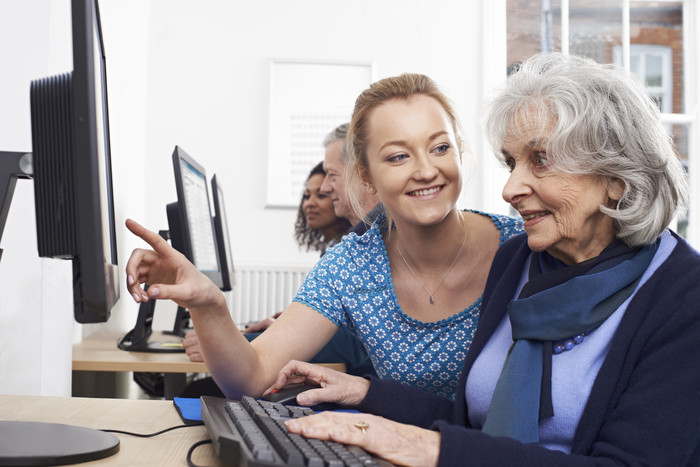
{"x":335,"y":165}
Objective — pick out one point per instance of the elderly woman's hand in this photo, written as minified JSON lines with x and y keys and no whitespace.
{"x":398,"y":443}
{"x":168,"y":273}
{"x":337,"y":387}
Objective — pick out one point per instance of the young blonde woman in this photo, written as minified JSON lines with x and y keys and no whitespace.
{"x":410,"y":287}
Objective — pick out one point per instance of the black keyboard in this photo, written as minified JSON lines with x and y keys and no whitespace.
{"x":252,"y":433}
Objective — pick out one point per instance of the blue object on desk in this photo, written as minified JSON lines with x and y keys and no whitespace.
{"x":190,"y":409}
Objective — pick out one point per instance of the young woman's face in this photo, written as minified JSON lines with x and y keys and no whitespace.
{"x":413,"y":160}
{"x":317,"y":206}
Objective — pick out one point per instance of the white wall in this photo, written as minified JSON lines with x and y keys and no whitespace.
{"x":196,"y":74}
{"x":208,"y":86}
{"x":35,"y":302}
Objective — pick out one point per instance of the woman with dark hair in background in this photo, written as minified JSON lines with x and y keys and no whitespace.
{"x":317,"y":227}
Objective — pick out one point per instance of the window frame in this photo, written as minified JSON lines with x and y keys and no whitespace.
{"x":644,"y":51}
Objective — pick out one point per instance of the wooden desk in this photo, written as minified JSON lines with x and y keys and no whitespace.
{"x":140,"y":416}
{"x":99,"y":352}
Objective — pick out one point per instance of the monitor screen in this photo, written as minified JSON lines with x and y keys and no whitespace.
{"x":191,"y":224}
{"x":73,"y":172}
{"x":223,"y":241}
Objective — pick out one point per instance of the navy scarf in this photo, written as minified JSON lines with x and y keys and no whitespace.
{"x":556,"y":303}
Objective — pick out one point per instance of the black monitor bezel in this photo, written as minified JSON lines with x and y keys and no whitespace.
{"x":94,"y":265}
{"x":184,"y":232}
{"x":223,"y":239}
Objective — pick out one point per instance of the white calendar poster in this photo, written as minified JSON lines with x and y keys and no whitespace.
{"x":307,"y":101}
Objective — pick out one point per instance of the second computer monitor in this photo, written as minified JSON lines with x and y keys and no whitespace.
{"x":191,"y":224}
{"x":222,"y":237}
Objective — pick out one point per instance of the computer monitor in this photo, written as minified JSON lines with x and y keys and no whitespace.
{"x":223,"y":241}
{"x":73,"y":170}
{"x":191,"y":225}
{"x":190,"y":221}
{"x":192,"y":233}
{"x":71,"y":167}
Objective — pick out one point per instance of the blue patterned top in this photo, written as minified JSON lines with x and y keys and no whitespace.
{"x":352,"y":286}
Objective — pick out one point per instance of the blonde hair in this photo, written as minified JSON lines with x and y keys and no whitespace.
{"x":399,"y":87}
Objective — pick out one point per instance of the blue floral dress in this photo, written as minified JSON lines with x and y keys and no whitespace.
{"x":352,"y":286}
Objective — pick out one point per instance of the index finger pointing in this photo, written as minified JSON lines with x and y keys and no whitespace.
{"x":153,"y":239}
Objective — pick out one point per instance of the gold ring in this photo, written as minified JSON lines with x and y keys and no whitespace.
{"x":362,"y":426}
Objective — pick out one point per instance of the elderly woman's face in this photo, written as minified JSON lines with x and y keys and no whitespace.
{"x":560,"y":212}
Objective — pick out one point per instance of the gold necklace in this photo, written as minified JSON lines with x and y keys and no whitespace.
{"x":454,"y":261}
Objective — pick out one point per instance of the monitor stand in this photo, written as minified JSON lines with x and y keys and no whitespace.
{"x":138,"y":339}
{"x":13,"y":166}
{"x":38,"y":443}
{"x":182,"y":323}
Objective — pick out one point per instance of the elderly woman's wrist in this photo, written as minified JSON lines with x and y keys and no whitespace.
{"x":360,"y":391}
{"x":433,"y":448}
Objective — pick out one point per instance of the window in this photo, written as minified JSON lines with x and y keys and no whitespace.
{"x":652,"y":64}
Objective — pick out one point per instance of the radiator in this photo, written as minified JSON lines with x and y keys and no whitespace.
{"x":263,"y":290}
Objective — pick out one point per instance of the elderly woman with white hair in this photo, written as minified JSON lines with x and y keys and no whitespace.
{"x":587,"y":348}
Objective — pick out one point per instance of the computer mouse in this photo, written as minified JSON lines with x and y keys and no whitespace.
{"x":288,"y":394}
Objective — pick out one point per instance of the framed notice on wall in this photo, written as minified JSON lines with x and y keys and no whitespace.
{"x":307,"y":101}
